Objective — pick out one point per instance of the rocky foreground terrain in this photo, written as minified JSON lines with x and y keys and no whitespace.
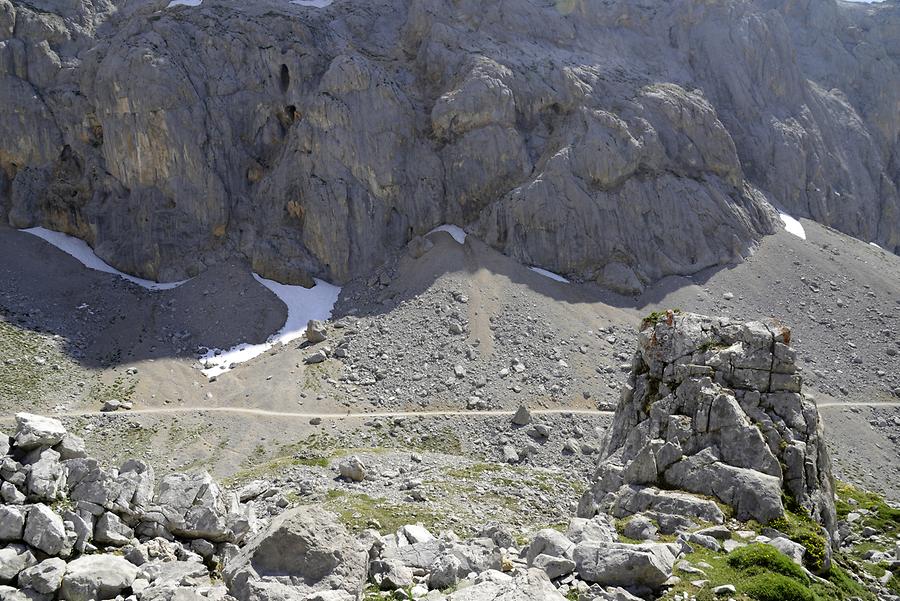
{"x":714,"y":481}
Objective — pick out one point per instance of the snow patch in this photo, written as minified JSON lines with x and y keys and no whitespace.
{"x":184,"y":3}
{"x":85,"y":254}
{"x":549,"y":274}
{"x":875,"y":245}
{"x":792,"y":226}
{"x":314,"y":3}
{"x":303,"y":304}
{"x":454,"y":230}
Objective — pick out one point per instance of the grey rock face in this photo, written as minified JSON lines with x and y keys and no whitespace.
{"x":621,"y":157}
{"x":303,"y":551}
{"x":714,"y":407}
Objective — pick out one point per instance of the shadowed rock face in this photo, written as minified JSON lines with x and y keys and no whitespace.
{"x":713,"y":407}
{"x":614,"y":140}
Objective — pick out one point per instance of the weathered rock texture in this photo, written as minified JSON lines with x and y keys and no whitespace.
{"x":73,"y":530}
{"x":614,"y":140}
{"x":304,"y":551}
{"x":714,"y":407}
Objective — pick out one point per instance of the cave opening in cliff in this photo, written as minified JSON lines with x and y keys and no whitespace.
{"x":285,"y":78}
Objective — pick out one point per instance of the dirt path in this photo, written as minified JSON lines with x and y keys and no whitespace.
{"x":350,"y":415}
{"x":300,"y":415}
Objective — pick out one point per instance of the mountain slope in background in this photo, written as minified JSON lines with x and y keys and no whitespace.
{"x":610,"y":140}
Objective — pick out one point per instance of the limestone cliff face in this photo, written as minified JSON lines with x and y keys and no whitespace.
{"x":613,"y":140}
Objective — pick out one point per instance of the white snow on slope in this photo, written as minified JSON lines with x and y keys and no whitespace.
{"x":792,"y":226}
{"x":302,"y":303}
{"x":184,"y":3}
{"x":454,"y":230}
{"x":875,"y":245}
{"x":85,"y":254}
{"x":549,"y":274}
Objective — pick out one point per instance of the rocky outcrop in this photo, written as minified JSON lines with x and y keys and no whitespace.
{"x":714,"y":407}
{"x":618,"y":141}
{"x":73,"y":530}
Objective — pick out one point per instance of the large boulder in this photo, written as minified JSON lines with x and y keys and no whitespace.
{"x":615,"y":564}
{"x":34,"y":431}
{"x":45,"y":531}
{"x":12,"y":522}
{"x":303,"y":551}
{"x":14,"y":559}
{"x":193,"y":506}
{"x":713,"y":407}
{"x":46,"y":477}
{"x":44,"y":578}
{"x":96,"y":577}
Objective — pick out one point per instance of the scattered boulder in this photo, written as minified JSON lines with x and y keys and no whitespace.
{"x":110,"y":530}
{"x":352,"y":469}
{"x":554,"y":567}
{"x":12,"y":523}
{"x":530,"y":585}
{"x":794,"y":550}
{"x":317,"y":357}
{"x":315,"y":331}
{"x":303,"y":551}
{"x":640,"y":527}
{"x":444,"y":572}
{"x":192,"y":506}
{"x":549,"y":542}
{"x":97,"y":577}
{"x":522,"y":416}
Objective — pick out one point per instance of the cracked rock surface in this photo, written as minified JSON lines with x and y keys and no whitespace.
{"x":714,"y":407}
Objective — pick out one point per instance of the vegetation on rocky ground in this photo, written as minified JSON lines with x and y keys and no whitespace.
{"x":761,"y":573}
{"x":33,"y":366}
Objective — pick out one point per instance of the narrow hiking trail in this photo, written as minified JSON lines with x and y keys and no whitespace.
{"x":360,"y":415}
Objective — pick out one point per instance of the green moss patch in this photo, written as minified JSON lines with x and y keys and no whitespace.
{"x":760,"y":559}
{"x":776,"y":587}
{"x":360,"y":511}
